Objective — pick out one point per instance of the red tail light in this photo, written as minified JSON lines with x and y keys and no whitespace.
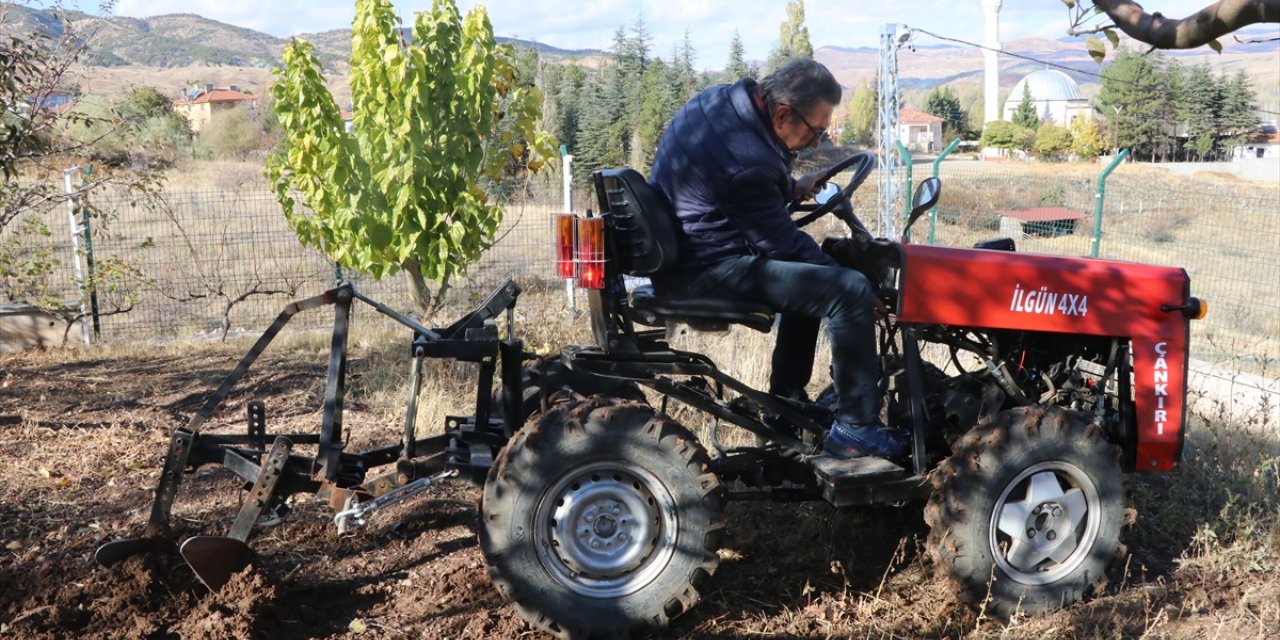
{"x":589,"y":255}
{"x":563,"y":235}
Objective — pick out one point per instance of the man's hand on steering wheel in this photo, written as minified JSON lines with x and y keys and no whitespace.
{"x":839,"y":203}
{"x":808,"y":185}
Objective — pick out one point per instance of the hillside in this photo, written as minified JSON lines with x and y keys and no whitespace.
{"x":171,"y":51}
{"x":930,"y":65}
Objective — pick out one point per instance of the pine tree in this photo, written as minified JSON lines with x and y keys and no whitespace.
{"x":944,"y":103}
{"x":660,"y":103}
{"x":683,"y":74}
{"x":603,"y":128}
{"x":1025,"y":115}
{"x":736,"y":68}
{"x":1239,"y":114}
{"x":1134,"y":99}
{"x":567,"y":103}
{"x":1198,"y":105}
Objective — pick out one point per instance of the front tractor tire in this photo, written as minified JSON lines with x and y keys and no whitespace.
{"x":1026,"y":514}
{"x":600,"y":519}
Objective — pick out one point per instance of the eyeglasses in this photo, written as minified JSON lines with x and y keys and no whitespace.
{"x":818,"y":134}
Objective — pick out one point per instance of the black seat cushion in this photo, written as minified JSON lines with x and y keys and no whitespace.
{"x":654,"y":310}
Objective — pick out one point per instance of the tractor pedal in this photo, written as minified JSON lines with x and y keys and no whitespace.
{"x":837,"y":472}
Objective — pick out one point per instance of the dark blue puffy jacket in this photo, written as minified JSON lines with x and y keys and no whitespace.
{"x":729,"y":179}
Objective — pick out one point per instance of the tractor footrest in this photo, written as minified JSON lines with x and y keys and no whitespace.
{"x":861,"y":481}
{"x":839,"y":471}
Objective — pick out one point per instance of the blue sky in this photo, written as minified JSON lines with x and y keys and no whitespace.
{"x":710,"y":23}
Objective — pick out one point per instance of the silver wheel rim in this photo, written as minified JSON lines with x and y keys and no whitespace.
{"x":605,"y":530}
{"x":1045,"y":523}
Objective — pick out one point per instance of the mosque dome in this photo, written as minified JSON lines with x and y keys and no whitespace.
{"x":1047,"y":85}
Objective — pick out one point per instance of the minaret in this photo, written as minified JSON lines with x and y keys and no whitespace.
{"x":991,"y":97}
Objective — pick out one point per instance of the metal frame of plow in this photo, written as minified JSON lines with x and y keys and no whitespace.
{"x":466,"y":443}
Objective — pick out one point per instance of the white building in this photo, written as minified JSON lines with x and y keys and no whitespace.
{"x":920,"y":131}
{"x":1054,"y":94}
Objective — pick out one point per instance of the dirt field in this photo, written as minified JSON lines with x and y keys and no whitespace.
{"x":82,"y":434}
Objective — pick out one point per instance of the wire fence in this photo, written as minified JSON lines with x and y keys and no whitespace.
{"x":209,"y":261}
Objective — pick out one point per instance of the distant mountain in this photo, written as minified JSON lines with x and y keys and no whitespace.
{"x":184,"y":39}
{"x":166,"y":48}
{"x":927,"y":66}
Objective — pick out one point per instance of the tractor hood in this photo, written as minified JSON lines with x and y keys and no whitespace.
{"x":1042,"y":293}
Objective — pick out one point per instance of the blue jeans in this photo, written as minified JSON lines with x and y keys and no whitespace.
{"x":803,"y":294}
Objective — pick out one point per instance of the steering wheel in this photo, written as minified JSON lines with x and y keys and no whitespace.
{"x":862,"y":162}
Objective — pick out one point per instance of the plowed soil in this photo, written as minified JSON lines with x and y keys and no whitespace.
{"x":82,"y":438}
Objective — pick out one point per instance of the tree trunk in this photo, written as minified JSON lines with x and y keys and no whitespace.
{"x":425,"y":301}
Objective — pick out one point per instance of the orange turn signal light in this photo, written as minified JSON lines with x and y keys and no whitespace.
{"x":563,"y":232}
{"x":589,"y":253}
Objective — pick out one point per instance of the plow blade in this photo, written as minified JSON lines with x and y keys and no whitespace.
{"x":117,"y":551}
{"x":214,"y":559}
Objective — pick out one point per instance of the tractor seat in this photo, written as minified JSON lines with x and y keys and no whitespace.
{"x":701,"y":313}
{"x":645,"y":229}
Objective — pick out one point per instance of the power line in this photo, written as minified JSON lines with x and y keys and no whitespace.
{"x":1050,"y":64}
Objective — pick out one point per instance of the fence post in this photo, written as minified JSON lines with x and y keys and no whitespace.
{"x":75,"y":249}
{"x":906,"y":196}
{"x":1099,"y":197}
{"x":937,"y":162}
{"x":93,"y":281}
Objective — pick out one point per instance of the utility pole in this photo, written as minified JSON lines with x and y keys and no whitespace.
{"x":887,"y":108}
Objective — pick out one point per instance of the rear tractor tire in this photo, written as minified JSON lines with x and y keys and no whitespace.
{"x":549,"y":376}
{"x":1026,"y":514}
{"x":600,"y":519}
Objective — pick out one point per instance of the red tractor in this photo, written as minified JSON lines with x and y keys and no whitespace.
{"x":603,"y":516}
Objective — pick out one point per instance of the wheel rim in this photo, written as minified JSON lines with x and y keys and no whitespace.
{"x":1045,"y":523}
{"x":605,"y":530}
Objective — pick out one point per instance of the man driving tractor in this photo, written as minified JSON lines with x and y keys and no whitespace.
{"x":725,"y":163}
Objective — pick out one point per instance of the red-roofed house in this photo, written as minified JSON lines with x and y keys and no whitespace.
{"x":202,"y":101}
{"x":919,"y":131}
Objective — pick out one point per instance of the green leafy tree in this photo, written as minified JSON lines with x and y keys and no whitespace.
{"x":944,"y":103}
{"x":1088,"y":141}
{"x":736,"y":68}
{"x":1052,"y":141}
{"x":793,"y":38}
{"x":140,"y":126}
{"x":1002,"y":134}
{"x":859,"y":126}
{"x":35,"y":67}
{"x":231,"y":134}
{"x":436,"y":122}
{"x":1025,"y":115}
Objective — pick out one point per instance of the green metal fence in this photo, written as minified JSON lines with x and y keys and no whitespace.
{"x":212,"y":256}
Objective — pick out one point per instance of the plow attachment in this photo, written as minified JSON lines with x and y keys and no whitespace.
{"x":466,"y":446}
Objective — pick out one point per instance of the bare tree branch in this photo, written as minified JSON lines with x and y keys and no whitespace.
{"x":1205,"y":26}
